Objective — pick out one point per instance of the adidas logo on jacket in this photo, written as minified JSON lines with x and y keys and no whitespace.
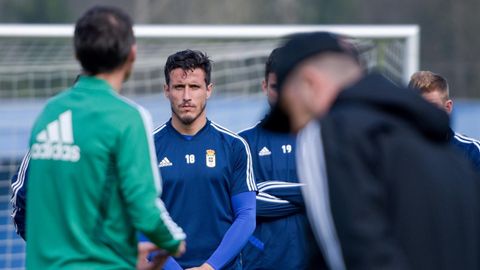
{"x":56,"y":141}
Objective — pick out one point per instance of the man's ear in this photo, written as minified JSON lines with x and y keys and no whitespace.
{"x":209,"y":90}
{"x":132,"y":56}
{"x":265,"y":87}
{"x":166,"y":90}
{"x":448,"y":106}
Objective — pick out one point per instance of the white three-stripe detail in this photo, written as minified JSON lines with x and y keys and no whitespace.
{"x":277,"y":184}
{"x":270,"y":198}
{"x":466,"y":139}
{"x":158,"y":129}
{"x":249,"y":173}
{"x":20,"y":178}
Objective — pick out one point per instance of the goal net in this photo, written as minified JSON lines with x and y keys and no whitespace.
{"x":37,"y":61}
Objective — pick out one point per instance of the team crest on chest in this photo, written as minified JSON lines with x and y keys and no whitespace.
{"x":210,"y":158}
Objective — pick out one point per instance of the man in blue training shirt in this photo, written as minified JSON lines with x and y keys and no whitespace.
{"x":434,"y":88}
{"x":282,"y":238}
{"x":208,"y":182}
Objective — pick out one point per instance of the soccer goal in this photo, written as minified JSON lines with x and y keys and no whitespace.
{"x":37,"y":61}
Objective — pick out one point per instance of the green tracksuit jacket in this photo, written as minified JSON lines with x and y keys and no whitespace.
{"x":93,"y":182}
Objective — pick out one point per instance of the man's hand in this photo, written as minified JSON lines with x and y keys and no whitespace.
{"x":181,"y":249}
{"x":156,"y":262}
{"x":204,"y":266}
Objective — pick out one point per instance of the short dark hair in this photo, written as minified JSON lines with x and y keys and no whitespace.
{"x":188,"y":60}
{"x":271,"y":62}
{"x":427,"y":81}
{"x":103,"y":39}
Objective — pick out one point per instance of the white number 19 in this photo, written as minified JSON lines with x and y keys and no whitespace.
{"x":287,"y":148}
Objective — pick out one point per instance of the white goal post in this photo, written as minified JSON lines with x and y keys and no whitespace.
{"x":411,"y":34}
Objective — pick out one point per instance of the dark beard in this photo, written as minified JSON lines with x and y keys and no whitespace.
{"x":189,"y":120}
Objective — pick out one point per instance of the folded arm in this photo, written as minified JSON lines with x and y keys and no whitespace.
{"x":277,"y":199}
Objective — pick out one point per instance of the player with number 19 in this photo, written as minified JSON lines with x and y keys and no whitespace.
{"x":208,"y":182}
{"x":282,"y":237}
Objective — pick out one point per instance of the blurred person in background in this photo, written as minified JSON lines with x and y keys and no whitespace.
{"x":434,"y":88}
{"x":383,"y":181}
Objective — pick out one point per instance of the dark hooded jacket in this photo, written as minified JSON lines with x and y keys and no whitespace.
{"x":401,"y":196}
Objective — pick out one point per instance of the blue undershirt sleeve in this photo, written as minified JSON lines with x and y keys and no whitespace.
{"x":237,"y":235}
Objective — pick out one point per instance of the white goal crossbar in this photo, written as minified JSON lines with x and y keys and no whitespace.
{"x":411,"y":33}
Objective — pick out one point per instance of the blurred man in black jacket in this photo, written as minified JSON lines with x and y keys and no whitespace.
{"x":386,"y":189}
